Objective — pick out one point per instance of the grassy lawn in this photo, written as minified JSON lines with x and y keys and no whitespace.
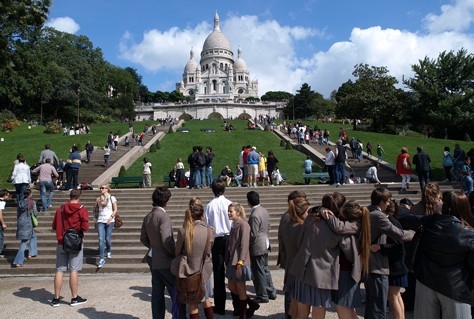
{"x":31,"y":142}
{"x":226,"y":147}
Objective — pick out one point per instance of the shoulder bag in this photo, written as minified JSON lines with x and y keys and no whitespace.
{"x":191,"y":289}
{"x":72,"y":239}
{"x":118,"y":221}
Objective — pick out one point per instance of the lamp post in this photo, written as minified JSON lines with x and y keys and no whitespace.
{"x":78,"y":104}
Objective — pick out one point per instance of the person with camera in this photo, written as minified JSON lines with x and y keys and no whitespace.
{"x":71,"y":215}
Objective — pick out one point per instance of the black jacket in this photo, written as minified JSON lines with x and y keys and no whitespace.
{"x":445,"y":261}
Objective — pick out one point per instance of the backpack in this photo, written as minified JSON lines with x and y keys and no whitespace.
{"x":200,"y":159}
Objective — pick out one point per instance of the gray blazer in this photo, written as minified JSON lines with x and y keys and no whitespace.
{"x":317,"y":261}
{"x":380,"y":228}
{"x":259,"y":226}
{"x":288,"y":233}
{"x":184,"y":265}
{"x":238,"y":243}
{"x":157,"y":234}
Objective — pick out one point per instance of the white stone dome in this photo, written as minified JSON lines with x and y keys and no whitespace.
{"x":240,"y":65}
{"x":191,"y":65}
{"x":216,"y":40}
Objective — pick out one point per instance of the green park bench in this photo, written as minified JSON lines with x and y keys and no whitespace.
{"x":208,"y":130}
{"x":167,"y":179}
{"x":182,"y":129}
{"x":127,"y":180}
{"x":316,"y":175}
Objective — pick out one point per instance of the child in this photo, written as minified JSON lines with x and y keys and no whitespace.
{"x":3,"y":196}
{"x":380,"y":152}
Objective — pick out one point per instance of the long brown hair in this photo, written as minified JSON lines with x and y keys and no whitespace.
{"x":353,"y":211}
{"x":456,"y":203}
{"x":430,"y":198}
{"x":194,"y":212}
{"x":331,"y":201}
{"x":297,"y":208}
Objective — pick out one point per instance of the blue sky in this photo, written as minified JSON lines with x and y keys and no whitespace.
{"x":284,"y":44}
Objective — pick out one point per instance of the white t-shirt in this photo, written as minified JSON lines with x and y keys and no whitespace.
{"x":106,"y":211}
{"x":2,"y":204}
{"x":147,"y":168}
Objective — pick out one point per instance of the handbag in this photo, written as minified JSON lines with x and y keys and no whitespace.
{"x":118,"y":221}
{"x":191,"y":289}
{"x":34,"y":220}
{"x":405,"y":163}
{"x":72,"y":239}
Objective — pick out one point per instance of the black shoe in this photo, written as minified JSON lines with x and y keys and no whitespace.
{"x":236,"y":312}
{"x":261,"y":300}
{"x":273,"y":297}
{"x":253,"y":306}
{"x":55,"y":302}
{"x":77,"y":301}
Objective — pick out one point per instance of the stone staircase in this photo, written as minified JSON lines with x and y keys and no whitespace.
{"x":134,"y":204}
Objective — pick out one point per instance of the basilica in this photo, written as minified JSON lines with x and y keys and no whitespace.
{"x":217,"y":76}
{"x":218,"y":87}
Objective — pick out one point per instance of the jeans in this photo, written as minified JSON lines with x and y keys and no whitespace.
{"x":209,"y":176}
{"x":199,"y":177}
{"x":33,"y":251}
{"x":424,"y":179}
{"x":20,"y":191}
{"x":72,"y":178}
{"x":339,"y":172}
{"x":46,"y":186}
{"x":262,"y":278}
{"x":105,"y":235}
{"x":2,"y":240}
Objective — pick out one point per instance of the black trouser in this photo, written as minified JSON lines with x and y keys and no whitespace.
{"x":218,"y":254}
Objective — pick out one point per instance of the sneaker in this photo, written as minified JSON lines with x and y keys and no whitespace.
{"x":77,"y":301}
{"x":55,"y":302}
{"x":109,"y":255}
{"x":101,"y":263}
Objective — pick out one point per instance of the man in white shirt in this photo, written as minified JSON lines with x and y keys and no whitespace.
{"x":218,"y":218}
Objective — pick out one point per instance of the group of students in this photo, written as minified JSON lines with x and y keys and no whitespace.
{"x":328,"y":250}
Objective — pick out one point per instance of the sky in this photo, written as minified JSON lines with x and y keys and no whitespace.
{"x":284,"y":43}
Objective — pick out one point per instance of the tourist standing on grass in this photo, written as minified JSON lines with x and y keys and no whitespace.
{"x":209,"y":157}
{"x":146,"y":172}
{"x":190,"y":247}
{"x":422,"y":167}
{"x":157,"y":235}
{"x":380,"y":152}
{"x":259,"y":222}
{"x":218,"y":218}
{"x":21,"y":177}
{"x":46,"y":173}
{"x":403,"y":168}
{"x":237,"y":260}
{"x":71,"y":215}
{"x":262,"y":169}
{"x":4,"y":194}
{"x":25,"y":232}
{"x":104,"y":220}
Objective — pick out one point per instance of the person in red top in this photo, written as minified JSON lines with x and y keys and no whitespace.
{"x":70,"y":215}
{"x":403,"y":168}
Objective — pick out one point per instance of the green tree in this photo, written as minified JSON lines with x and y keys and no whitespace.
{"x":276,"y":96}
{"x":444,"y":88}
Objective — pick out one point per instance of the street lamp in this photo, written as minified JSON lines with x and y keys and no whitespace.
{"x":78,"y":99}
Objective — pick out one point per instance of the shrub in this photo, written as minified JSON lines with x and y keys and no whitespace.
{"x":288,"y":146}
{"x":8,"y":121}
{"x":152,"y":148}
{"x":467,"y":138}
{"x":283,"y":142}
{"x":53,"y":127}
{"x":123,"y":171}
{"x":170,"y":130}
{"x":266,"y":128}
{"x":158,"y":145}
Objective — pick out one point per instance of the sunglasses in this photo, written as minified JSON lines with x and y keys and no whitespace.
{"x":103,"y":187}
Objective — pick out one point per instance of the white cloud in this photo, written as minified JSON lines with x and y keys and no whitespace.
{"x":64,"y":24}
{"x":275,"y":54}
